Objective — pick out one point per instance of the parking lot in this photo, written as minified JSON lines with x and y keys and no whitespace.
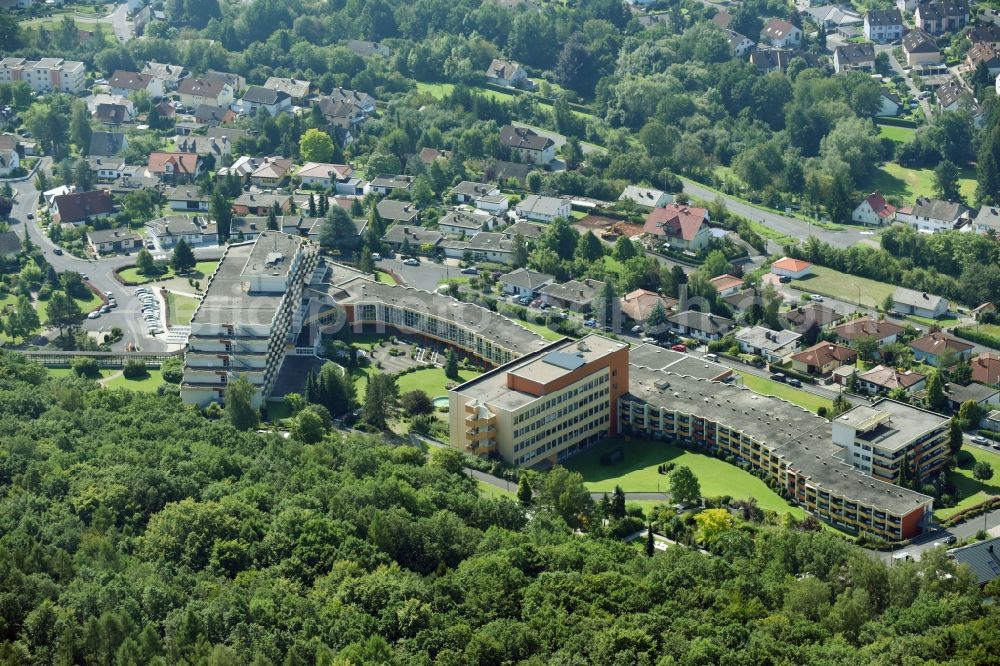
{"x":150,"y":311}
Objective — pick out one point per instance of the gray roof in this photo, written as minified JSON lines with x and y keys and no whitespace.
{"x":177,"y":225}
{"x":936,"y":209}
{"x":523,"y":137}
{"x":526,"y":229}
{"x":855,"y":53}
{"x":100,"y":236}
{"x":290,"y":87}
{"x":9,"y":243}
{"x":397,"y":211}
{"x":919,"y":41}
{"x":472,"y":189}
{"x":415,"y":235}
{"x":465,"y":220}
{"x":973,"y":391}
{"x":490,"y":242}
{"x":988,"y":216}
{"x":661,"y":358}
{"x":106,"y":144}
{"x":701,"y":321}
{"x":574,"y":291}
{"x":800,"y":438}
{"x":526,"y":279}
{"x":540,"y":205}
{"x":884,"y":17}
{"x":917,"y":299}
{"x":983,"y":558}
{"x":761,"y":337}
{"x":392,"y":182}
{"x":261,"y":95}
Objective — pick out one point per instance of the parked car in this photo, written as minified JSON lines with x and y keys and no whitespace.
{"x":94,"y":315}
{"x":951,"y":540}
{"x":679,"y":347}
{"x":784,"y":279}
{"x":536,"y":303}
{"x":471,"y":270}
{"x":590,"y":323}
{"x":792,"y":381}
{"x":31,"y":216}
{"x":112,"y":303}
{"x":58,"y":252}
{"x":105,"y":309}
{"x":778,"y":376}
{"x":979,"y":439}
{"x":411,"y":262}
{"x":816,"y":298}
{"x":376,"y":256}
{"x":637,"y":329}
{"x":711,"y":357}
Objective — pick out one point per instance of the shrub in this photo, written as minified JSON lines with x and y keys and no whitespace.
{"x":135,"y":369}
{"x":85,"y":367}
{"x":172,"y":370}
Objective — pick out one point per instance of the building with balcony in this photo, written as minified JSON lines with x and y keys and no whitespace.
{"x":545,"y":406}
{"x":45,"y":75}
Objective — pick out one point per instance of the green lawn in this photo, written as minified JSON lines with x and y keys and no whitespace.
{"x":92,"y":302}
{"x":906,"y":184}
{"x":795,"y":396}
{"x":637,"y":473}
{"x":385,"y":278}
{"x":152,"y":381}
{"x":927,"y":321}
{"x":490,"y":490}
{"x":897,"y":134}
{"x":432,"y":381}
{"x":828,"y":282}
{"x":442,"y":90}
{"x":541,"y":329}
{"x":202,"y":270}
{"x":181,"y":308}
{"x":972,"y":490}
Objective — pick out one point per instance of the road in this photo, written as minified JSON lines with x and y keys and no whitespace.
{"x":789,"y":226}
{"x":118,"y":20}
{"x":899,"y":71}
{"x":100,"y":273}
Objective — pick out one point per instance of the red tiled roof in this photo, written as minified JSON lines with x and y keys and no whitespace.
{"x":724,"y":282}
{"x":78,"y":206}
{"x":675,"y":221}
{"x":867,"y":327}
{"x":986,"y":368}
{"x":184,"y":163}
{"x":879,"y":205}
{"x":639,"y":303}
{"x":937,"y":343}
{"x":824,"y":353}
{"x":789,"y":264}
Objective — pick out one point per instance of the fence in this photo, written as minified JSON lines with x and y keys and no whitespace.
{"x":104,"y":359}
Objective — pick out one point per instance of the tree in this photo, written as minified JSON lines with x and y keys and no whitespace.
{"x":534,"y":181}
{"x":618,"y":503}
{"x":80,"y":130}
{"x":381,"y":400}
{"x":23,"y":321}
{"x":63,"y":312}
{"x":564,"y":493}
{"x":955,"y":435}
{"x":656,"y":320}
{"x":333,"y":389}
{"x":183,"y":259}
{"x":524,"y":490}
{"x":416,"y":402}
{"x":307,"y":426}
{"x":239,"y":407}
{"x":272,"y":217}
{"x":983,"y":471}
{"x":316,"y":146}
{"x":946,"y":175}
{"x":338,"y":230}
{"x":221,"y":211}
{"x":684,"y":486}
{"x":144,"y":263}
{"x":934,"y":396}
{"x":520,"y":251}
{"x":867,"y":347}
{"x":712,"y":524}
{"x":451,"y":364}
{"x":83,"y":177}
{"x":625,"y":249}
{"x":589,"y":248}
{"x":312,"y":205}
{"x":650,"y":541}
{"x":716,"y":264}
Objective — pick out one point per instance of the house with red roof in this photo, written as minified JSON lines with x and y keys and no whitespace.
{"x":986,"y":369}
{"x":174,"y":167}
{"x":874,"y":211}
{"x":682,"y":227}
{"x":726,"y":285}
{"x":792,"y":268}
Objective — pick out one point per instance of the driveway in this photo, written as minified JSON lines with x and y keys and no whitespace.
{"x":899,"y":71}
{"x":427,"y":276}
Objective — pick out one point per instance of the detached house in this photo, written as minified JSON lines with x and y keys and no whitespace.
{"x":773,"y":346}
{"x":464,"y":222}
{"x":524,"y":282}
{"x":684,"y":227}
{"x":543,"y":209}
{"x":260,"y":203}
{"x":528,"y":146}
{"x":882,"y":379}
{"x":987,"y":220}
{"x":883,"y":25}
{"x":576,"y":295}
{"x":951,"y":96}
{"x":739,"y":45}
{"x":125,"y":83}
{"x":637,"y":305}
{"x":187,"y":198}
{"x":296,"y":89}
{"x":921,"y":49}
{"x":874,"y":211}
{"x":388,"y":184}
{"x":700,"y":325}
{"x":850,"y":57}
{"x":985,"y":34}
{"x":986,"y":369}
{"x":324,"y":176}
{"x":885,"y":332}
{"x":986,"y":55}
{"x":891,"y":103}
{"x":82,"y":207}
{"x":398,"y":211}
{"x":769,"y":61}
{"x":10,"y":160}
{"x":932,"y":215}
{"x":174,"y":167}
{"x":104,"y":241}
{"x":920,"y":303}
{"x":169,"y":75}
{"x":271,"y":172}
{"x":507,"y":73}
{"x":646,"y":197}
{"x":780,"y":34}
{"x":197,"y":92}
{"x":823,"y":358}
{"x":272,"y":101}
{"x":480,"y":195}
{"x":931,"y":348}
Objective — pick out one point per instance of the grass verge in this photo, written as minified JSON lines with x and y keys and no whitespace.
{"x":844,"y":287}
{"x":803,"y":399}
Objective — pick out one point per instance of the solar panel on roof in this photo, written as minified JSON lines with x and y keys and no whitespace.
{"x":564,"y":360}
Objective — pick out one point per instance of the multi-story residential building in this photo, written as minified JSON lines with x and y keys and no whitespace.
{"x":883,"y":25}
{"x":249,"y":318}
{"x":545,"y":406}
{"x":793,"y":447}
{"x":877,"y":438}
{"x":937,"y":16}
{"x":45,"y":75}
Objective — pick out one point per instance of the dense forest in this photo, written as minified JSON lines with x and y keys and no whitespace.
{"x":135,"y":531}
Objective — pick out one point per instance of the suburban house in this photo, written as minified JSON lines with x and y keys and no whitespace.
{"x":823,"y":358}
{"x":983,"y":309}
{"x":508,"y":74}
{"x":984,"y":396}
{"x":524,"y":282}
{"x":985,"y":34}
{"x":983,"y":54}
{"x":780,"y":34}
{"x":105,"y":169}
{"x":107,"y":144}
{"x":576,"y":295}
{"x":874,"y":211}
{"x":112,"y":115}
{"x":366,"y":49}
{"x":950,"y":96}
{"x":170,"y":75}
{"x":891,"y":103}
{"x":412,"y":240}
{"x":235,"y":81}
{"x":196,"y":92}
{"x":261,"y":203}
{"x":271,"y":172}
{"x":882,"y":379}
{"x":986,"y":368}
{"x":700,"y":325}
{"x":104,"y":241}
{"x":647,"y":197}
{"x":931,"y":215}
{"x":542,"y":208}
{"x":466,"y":222}
{"x":480,"y":195}
{"x":213,"y":116}
{"x":82,"y":207}
{"x":833,"y":17}
{"x":203,"y":145}
{"x":488,"y":246}
{"x":982,"y":558}
{"x":772,"y":346}
{"x":10,"y":160}
{"x":727,"y":285}
{"x":883,"y":25}
{"x":803,"y":318}
{"x":885,"y":332}
{"x":296,"y":89}
{"x":937,"y":16}
{"x":849,"y":57}
{"x":398,"y":211}
{"x":683,"y":227}
{"x":174,"y":167}
{"x":187,"y":198}
{"x":166,"y":232}
{"x":527,"y":146}
{"x":770,"y":61}
{"x":362,"y":101}
{"x":987,"y":220}
{"x":530,"y":230}
{"x":795,"y":269}
{"x":921,"y":49}
{"x":125,"y":83}
{"x":930,"y":348}
{"x":638,"y":304}
{"x":272,"y":101}
{"x":919,"y":303}
{"x":428,"y":156}
{"x":388,"y":184}
{"x":739,"y":45}
{"x":323,"y":176}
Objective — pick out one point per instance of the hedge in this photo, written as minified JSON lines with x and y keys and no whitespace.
{"x":971,"y":512}
{"x":970,"y":333}
{"x":989,"y":434}
{"x":896,"y":122}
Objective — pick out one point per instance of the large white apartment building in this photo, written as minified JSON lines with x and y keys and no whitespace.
{"x":45,"y":75}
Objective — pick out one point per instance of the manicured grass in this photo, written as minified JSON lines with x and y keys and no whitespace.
{"x":442,"y":90}
{"x":927,"y":321}
{"x":92,"y":302}
{"x":148,"y":384}
{"x":490,"y":490}
{"x":542,"y":330}
{"x":181,"y":308}
{"x":637,"y":473}
{"x":971,"y":489}
{"x":432,"y":381}
{"x":202,"y":270}
{"x":988,"y":329}
{"x":906,"y":184}
{"x":385,"y":278}
{"x":578,"y":214}
{"x":897,"y":134}
{"x":764,"y":386}
{"x":828,"y":282}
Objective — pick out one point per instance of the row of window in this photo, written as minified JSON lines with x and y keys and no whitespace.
{"x":559,"y":399}
{"x":573,"y":435}
{"x":558,"y":414}
{"x":548,"y":432}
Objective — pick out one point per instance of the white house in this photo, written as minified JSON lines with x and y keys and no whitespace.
{"x":318,"y":174}
{"x":125,"y":83}
{"x":933,"y":215}
{"x":795,"y":269}
{"x":874,"y":211}
{"x":527,"y":146}
{"x":850,"y":57}
{"x":891,"y":104}
{"x":987,"y":220}
{"x":647,"y":197}
{"x":773,"y":346}
{"x":507,"y":73}
{"x":258,"y":97}
{"x":524,"y":282}
{"x":883,"y":25}
{"x":9,"y":159}
{"x":739,"y":45}
{"x":542,"y":209}
{"x":920,"y":303}
{"x":213,"y":91}
{"x":168,"y":231}
{"x":780,"y":34}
